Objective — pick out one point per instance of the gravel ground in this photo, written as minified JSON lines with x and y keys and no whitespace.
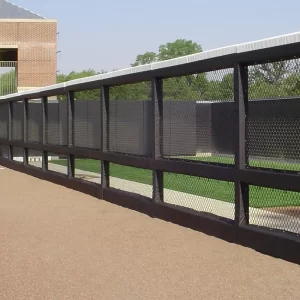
{"x":61,"y":244}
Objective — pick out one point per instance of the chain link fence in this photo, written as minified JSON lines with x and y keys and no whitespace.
{"x":34,"y":122}
{"x":274,"y":115}
{"x":201,"y":121}
{"x":274,"y":208}
{"x":130,"y":119}
{"x":4,"y":120}
{"x":17,"y":119}
{"x":131,"y":179}
{"x":57,"y":123}
{"x":87,"y":120}
{"x":200,"y":194}
{"x":198,"y":117}
{"x":274,"y":141}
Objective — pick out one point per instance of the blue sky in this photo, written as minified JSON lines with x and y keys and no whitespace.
{"x":108,"y":34}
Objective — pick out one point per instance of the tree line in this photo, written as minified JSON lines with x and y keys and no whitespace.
{"x":266,"y":81}
{"x":270,"y":80}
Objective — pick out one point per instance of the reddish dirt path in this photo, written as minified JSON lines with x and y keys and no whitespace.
{"x":60,"y":244}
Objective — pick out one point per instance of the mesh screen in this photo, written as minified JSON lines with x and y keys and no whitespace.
{"x":87,"y":124}
{"x":274,"y":115}
{"x":17,"y":121}
{"x":274,"y":208}
{"x":198,"y":117}
{"x":201,"y":194}
{"x":17,"y":154}
{"x":88,"y":169}
{"x":57,"y":163}
{"x":57,"y":123}
{"x":3,"y":120}
{"x":35,"y":158}
{"x":129,"y":119}
{"x":34,"y":123}
{"x":130,"y":179}
{"x":4,"y":151}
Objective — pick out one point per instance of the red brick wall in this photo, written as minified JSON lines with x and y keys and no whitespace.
{"x":36,"y":41}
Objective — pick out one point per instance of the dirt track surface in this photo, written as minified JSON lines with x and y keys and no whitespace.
{"x":57,"y":244}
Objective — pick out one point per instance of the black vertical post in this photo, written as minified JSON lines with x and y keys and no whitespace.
{"x":104,"y":137}
{"x":9,"y":129}
{"x":70,"y":124}
{"x":157,"y":138}
{"x":44,"y":132}
{"x":241,"y":157}
{"x":25,"y":135}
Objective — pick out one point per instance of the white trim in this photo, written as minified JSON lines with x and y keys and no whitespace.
{"x":8,"y":46}
{"x":240,"y":48}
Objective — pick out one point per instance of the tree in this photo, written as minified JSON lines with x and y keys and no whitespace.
{"x":171,"y":50}
{"x":270,"y":72}
{"x":8,"y":83}
{"x":146,"y":58}
{"x":187,"y":87}
{"x":136,"y":91}
{"x":226,"y":87}
{"x":180,"y":47}
{"x":292,"y":85}
{"x":178,"y":89}
{"x":274,"y":80}
{"x":82,"y":95}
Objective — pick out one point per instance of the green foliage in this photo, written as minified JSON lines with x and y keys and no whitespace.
{"x":266,"y":81}
{"x":282,"y":87}
{"x":271,"y":73}
{"x":178,"y":89}
{"x":216,"y":189}
{"x":144,"y":59}
{"x":137,"y":91}
{"x":82,"y":95}
{"x":274,"y":80}
{"x":178,"y":48}
{"x":8,"y":83}
{"x":292,"y":85}
{"x":175,"y":49}
{"x":226,"y":87}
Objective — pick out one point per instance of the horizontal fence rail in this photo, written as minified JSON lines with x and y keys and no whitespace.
{"x":208,"y":141}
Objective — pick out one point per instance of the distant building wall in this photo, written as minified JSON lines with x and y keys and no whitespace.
{"x":36,"y":44}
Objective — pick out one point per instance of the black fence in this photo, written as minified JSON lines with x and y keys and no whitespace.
{"x":224,"y":160}
{"x":191,"y":128}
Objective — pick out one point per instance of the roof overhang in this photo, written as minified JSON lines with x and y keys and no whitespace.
{"x":8,"y":47}
{"x":27,"y":20}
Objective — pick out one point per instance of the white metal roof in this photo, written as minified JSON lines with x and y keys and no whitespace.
{"x":240,"y":48}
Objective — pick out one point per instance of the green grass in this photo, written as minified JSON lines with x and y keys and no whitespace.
{"x":211,"y":188}
{"x":270,"y":164}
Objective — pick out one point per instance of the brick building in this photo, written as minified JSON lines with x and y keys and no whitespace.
{"x":27,"y":49}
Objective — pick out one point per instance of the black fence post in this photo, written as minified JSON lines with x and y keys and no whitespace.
{"x":9,"y":130}
{"x":241,"y":157}
{"x":104,"y":137}
{"x":25,"y":135}
{"x":44,"y":132}
{"x":157,"y":138}
{"x":70,"y":132}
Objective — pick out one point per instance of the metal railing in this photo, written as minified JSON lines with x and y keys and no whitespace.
{"x":8,"y":77}
{"x":233,"y":176}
